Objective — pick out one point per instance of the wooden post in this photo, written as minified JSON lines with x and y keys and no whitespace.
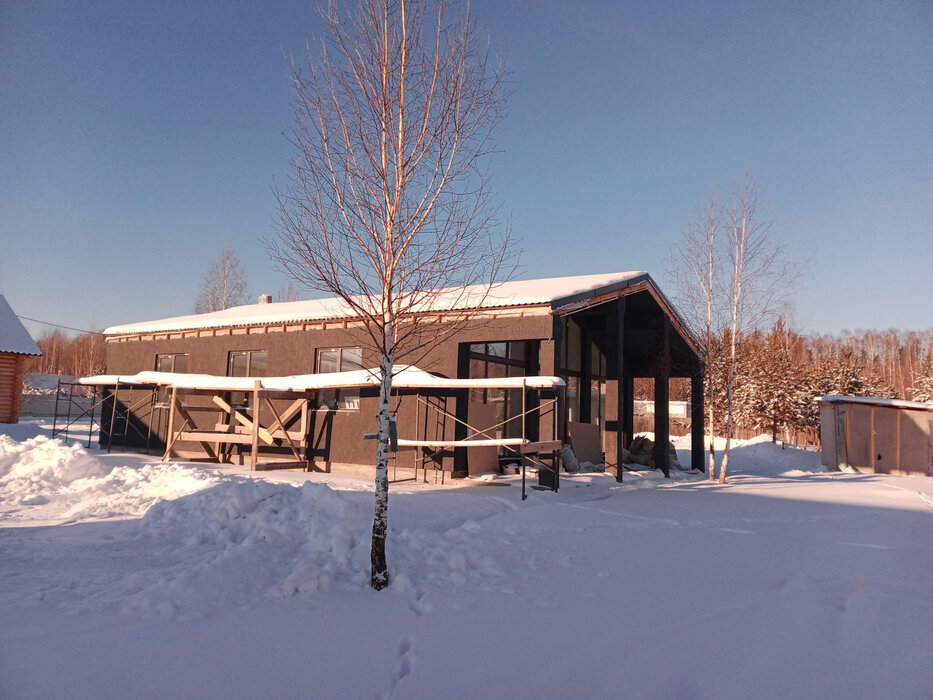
{"x":304,"y":431}
{"x":254,"y":446}
{"x":697,"y":418}
{"x":170,"y":434}
{"x":113,"y":417}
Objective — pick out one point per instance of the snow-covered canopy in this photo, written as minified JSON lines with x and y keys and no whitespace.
{"x":14,"y":337}
{"x":405,"y":377}
{"x":551,"y":291}
{"x":876,"y":401}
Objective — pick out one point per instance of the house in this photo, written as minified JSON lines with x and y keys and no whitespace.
{"x":884,"y":436}
{"x":15,"y":346}
{"x":595,"y":332}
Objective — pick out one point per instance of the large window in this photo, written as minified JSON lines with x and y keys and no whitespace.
{"x":245,"y":363}
{"x":577,"y":345}
{"x":339,"y":360}
{"x":503,"y":359}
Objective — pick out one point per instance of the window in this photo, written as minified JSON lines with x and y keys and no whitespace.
{"x":503,"y":359}
{"x":177,"y":362}
{"x":580,"y":342}
{"x":338,"y":360}
{"x":245,"y":363}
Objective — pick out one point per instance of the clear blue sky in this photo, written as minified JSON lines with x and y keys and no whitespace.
{"x":138,"y":138}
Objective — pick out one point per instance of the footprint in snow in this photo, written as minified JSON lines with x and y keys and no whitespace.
{"x":419,"y":606}
{"x":405,"y":659}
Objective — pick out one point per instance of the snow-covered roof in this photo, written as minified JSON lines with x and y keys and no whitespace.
{"x":553,"y":291}
{"x":405,"y":377}
{"x":14,"y":337}
{"x":876,"y":401}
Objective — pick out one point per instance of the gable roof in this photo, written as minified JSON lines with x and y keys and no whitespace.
{"x":553,"y":291}
{"x":14,"y":338}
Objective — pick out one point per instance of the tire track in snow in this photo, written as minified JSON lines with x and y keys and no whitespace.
{"x":927,"y":501}
{"x":644,"y":518}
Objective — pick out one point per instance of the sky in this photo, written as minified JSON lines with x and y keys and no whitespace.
{"x":138,"y":139}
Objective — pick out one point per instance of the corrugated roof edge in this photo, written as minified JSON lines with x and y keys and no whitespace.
{"x":127,"y":329}
{"x":877,"y":401}
{"x":524,"y":293}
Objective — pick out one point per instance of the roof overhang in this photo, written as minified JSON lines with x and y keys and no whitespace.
{"x":642,"y":283}
{"x":404,"y":377}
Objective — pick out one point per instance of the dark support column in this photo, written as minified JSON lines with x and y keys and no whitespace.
{"x":662,"y":458}
{"x":533,"y":419}
{"x":697,"y":415}
{"x":463,"y":398}
{"x":584,"y":389}
{"x":621,"y":401}
{"x":557,"y":337}
{"x":662,"y":421}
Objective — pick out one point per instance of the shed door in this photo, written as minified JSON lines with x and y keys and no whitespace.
{"x":885,"y":457}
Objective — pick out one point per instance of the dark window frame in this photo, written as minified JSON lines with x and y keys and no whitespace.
{"x":174,"y":357}
{"x":161,"y":397}
{"x":347,"y":399}
{"x":509,"y":399}
{"x":240,"y":398}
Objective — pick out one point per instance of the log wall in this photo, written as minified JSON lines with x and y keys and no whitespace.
{"x":11,"y":386}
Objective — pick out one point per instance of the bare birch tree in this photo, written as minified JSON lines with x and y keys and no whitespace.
{"x":695,"y":267}
{"x":224,"y":284}
{"x":758,"y":282}
{"x":389,"y":205}
{"x":731,"y":276}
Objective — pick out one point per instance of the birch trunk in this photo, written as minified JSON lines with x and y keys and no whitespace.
{"x":740,"y":238}
{"x":710,"y":281}
{"x":712,"y":415}
{"x":380,"y":567}
{"x":730,"y":419}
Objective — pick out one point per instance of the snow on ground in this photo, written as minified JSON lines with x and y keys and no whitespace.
{"x":125,"y":577}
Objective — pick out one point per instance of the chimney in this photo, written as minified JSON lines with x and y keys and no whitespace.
{"x":265,"y":298}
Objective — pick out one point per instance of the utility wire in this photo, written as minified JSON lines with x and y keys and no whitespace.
{"x":67,"y":328}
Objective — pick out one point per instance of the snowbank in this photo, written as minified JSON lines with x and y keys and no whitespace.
{"x":74,"y":484}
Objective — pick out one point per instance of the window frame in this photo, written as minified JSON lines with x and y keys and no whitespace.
{"x":174,"y":358}
{"x":241,"y":398}
{"x":347,"y":399}
{"x":501,"y":353}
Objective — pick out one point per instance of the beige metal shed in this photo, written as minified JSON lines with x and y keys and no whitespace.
{"x":884,"y":436}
